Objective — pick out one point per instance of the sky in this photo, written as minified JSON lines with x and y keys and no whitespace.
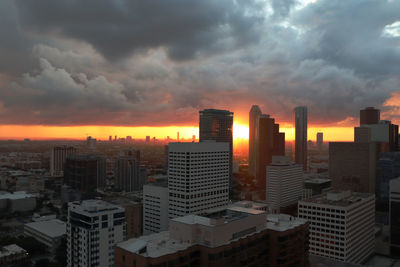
{"x":72,"y":68}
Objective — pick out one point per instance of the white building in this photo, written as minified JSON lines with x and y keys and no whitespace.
{"x":155,"y":207}
{"x":284,"y":183}
{"x":198,"y":177}
{"x":341,"y":225}
{"x":58,"y":157}
{"x":49,"y":232}
{"x":94,"y":227}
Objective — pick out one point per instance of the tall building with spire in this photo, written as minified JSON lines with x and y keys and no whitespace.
{"x":255,"y":113}
{"x":300,"y":123}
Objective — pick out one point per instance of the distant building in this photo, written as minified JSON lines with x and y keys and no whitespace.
{"x":300,"y":123}
{"x":94,"y":227}
{"x":30,"y":184}
{"x":155,"y":207}
{"x":352,"y":166}
{"x":254,"y":114}
{"x":284,"y":184}
{"x":18,"y":201}
{"x":147,"y":139}
{"x":394,"y":217}
{"x":369,"y":115}
{"x":48,"y":232}
{"x":230,"y":237}
{"x":341,"y":225}
{"x":58,"y":157}
{"x":198,"y":177}
{"x":13,"y":255}
{"x":217,"y":125}
{"x":127,"y":172}
{"x":91,"y":142}
{"x":320,"y":141}
{"x":85,"y":173}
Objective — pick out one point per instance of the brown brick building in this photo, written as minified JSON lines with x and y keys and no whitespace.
{"x":231,"y":237}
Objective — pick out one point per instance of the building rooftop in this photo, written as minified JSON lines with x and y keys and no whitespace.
{"x":283,"y":222}
{"x":317,"y":181}
{"x":250,"y":204}
{"x":51,"y":228}
{"x":93,"y":206}
{"x":11,"y":249}
{"x":338,"y":198}
{"x":15,"y":195}
{"x":154,"y":245}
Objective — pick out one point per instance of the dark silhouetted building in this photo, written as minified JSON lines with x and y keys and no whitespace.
{"x":394,"y":217}
{"x":58,"y":157}
{"x":127,"y":172}
{"x":254,"y":114}
{"x":388,"y":168}
{"x":300,"y":123}
{"x":320,"y":141}
{"x":85,"y":173}
{"x":369,"y":115}
{"x":217,"y":125}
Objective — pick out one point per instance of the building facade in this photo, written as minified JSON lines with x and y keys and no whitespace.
{"x":217,"y":125}
{"x":58,"y":157}
{"x":94,"y":227}
{"x":85,"y":173}
{"x":341,"y":225}
{"x":394,"y":217}
{"x":49,"y":232}
{"x":198,"y":177}
{"x":369,"y":115}
{"x":320,"y":141}
{"x":254,"y":114}
{"x":300,"y":124}
{"x":127,"y":172}
{"x":352,"y":166}
{"x":155,"y":207}
{"x":231,"y":237}
{"x":284,"y":184}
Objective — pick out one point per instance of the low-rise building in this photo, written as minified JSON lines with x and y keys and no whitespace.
{"x":12,"y":255}
{"x":155,"y":207}
{"x":18,"y":201}
{"x":234,"y":236}
{"x":48,"y":232}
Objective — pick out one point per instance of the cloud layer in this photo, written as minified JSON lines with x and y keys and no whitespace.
{"x":158,"y":62}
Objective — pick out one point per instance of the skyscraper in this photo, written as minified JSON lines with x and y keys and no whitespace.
{"x":198,"y":177}
{"x":394,"y":216}
{"x":320,"y":140}
{"x":255,"y":112}
{"x":217,"y":125}
{"x":369,"y":115}
{"x":300,"y":123}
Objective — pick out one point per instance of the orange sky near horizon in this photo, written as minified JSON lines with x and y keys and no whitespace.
{"x":240,"y":131}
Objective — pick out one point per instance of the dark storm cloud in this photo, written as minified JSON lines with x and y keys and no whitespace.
{"x":159,"y":62}
{"x":119,"y":28}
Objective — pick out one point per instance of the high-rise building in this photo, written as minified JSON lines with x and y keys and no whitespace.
{"x":110,"y":138}
{"x":284,"y":184}
{"x":394,"y":216}
{"x":91,"y":142}
{"x":58,"y":157}
{"x":198,"y":177}
{"x":352,"y":166}
{"x":147,"y":139}
{"x":269,"y":142}
{"x":341,"y":225}
{"x":388,"y":168}
{"x":320,"y":141}
{"x":300,"y":123}
{"x":217,"y":125}
{"x":234,"y":236}
{"x":94,"y":227}
{"x":155,"y":207}
{"x":127,"y":172}
{"x":254,"y":114}
{"x":369,"y":115}
{"x":85,"y":173}
{"x":133,"y":214}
